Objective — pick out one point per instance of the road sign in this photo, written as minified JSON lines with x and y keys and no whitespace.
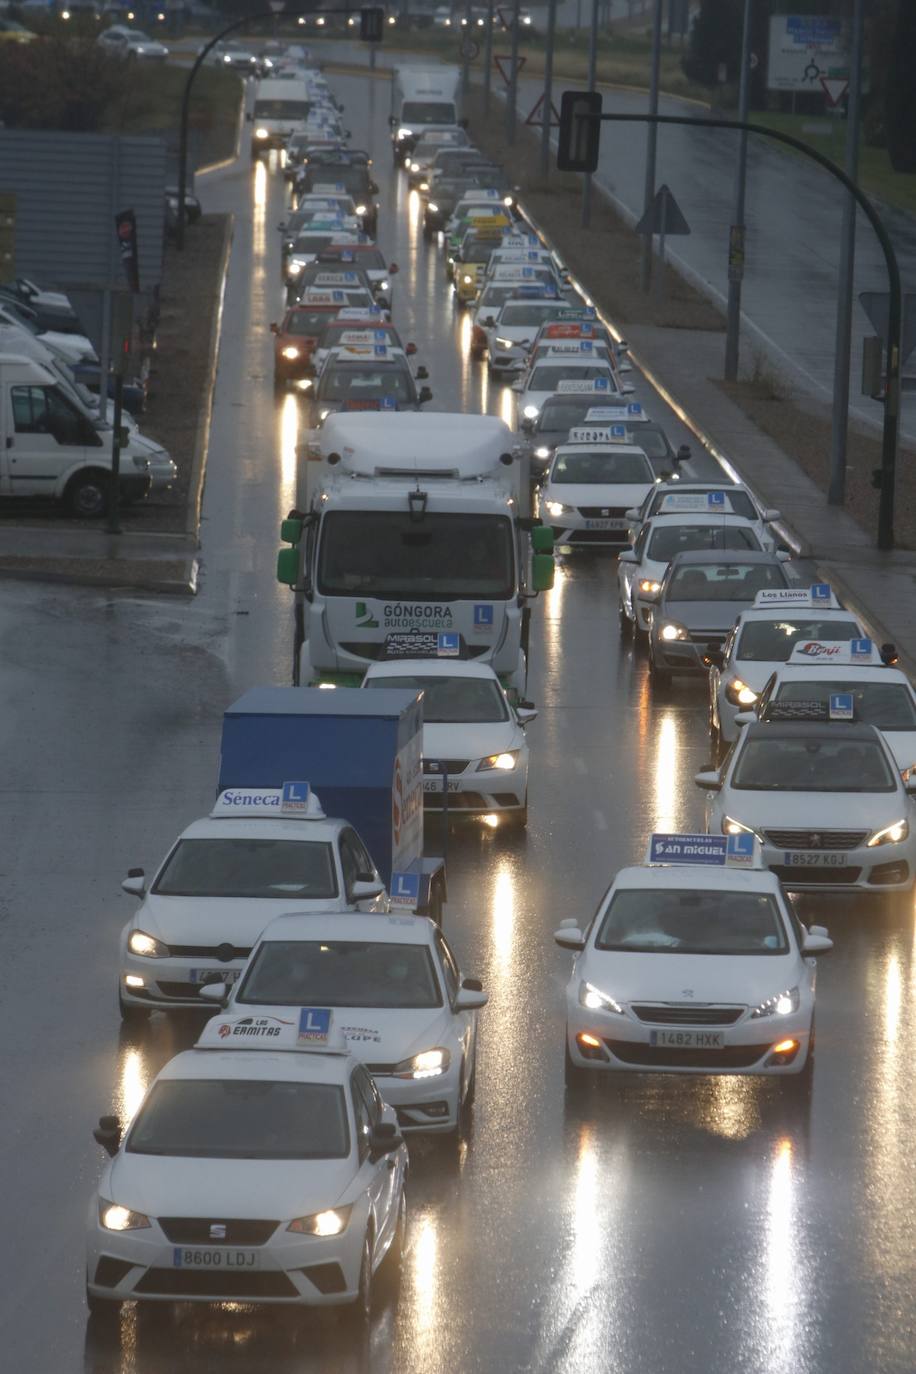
{"x":536,"y":117}
{"x":876,"y":306}
{"x":502,"y":61}
{"x":835,"y":87}
{"x":468,"y":49}
{"x":579,"y":140}
{"x":664,"y":216}
{"x":501,"y":16}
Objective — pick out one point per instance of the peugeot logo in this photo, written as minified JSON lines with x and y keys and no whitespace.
{"x":605,"y":512}
{"x":817,"y":840}
{"x":218,"y":1230}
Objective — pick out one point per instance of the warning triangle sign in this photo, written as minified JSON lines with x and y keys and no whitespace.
{"x":536,"y":117}
{"x":664,"y":216}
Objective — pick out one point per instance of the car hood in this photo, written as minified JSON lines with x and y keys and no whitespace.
{"x":618,"y":494}
{"x":902,"y":744}
{"x":377,"y":1035}
{"x":747,"y":979}
{"x":470,"y":741}
{"x":220,"y":920}
{"x":704,"y":615}
{"x":166,"y":1186}
{"x":816,"y":810}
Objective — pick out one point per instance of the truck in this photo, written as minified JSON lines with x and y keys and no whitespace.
{"x":281,"y":107}
{"x":410,"y":525}
{"x":362,"y":753}
{"x":422,"y":99}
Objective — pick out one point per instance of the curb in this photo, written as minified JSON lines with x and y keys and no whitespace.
{"x":202,"y":441}
{"x":878,"y":631}
{"x":233,"y":157}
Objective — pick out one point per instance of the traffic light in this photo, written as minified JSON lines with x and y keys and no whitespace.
{"x":372,"y":24}
{"x":578,"y":140}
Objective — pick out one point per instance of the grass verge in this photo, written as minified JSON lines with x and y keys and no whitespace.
{"x":151,"y":104}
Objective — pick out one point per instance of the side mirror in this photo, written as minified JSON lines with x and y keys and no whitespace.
{"x":249,"y":116}
{"x":288,"y":567}
{"x":214,"y":992}
{"x":373,"y":187}
{"x":770,"y":514}
{"x":626,"y":555}
{"x":410,"y":349}
{"x":364,"y":888}
{"x":135,"y":882}
{"x":525,"y":714}
{"x":393,"y":269}
{"x":628,"y":389}
{"x":632,"y":513}
{"x":470,"y":999}
{"x":708,"y":779}
{"x":569,"y":937}
{"x":713,"y":654}
{"x":422,"y":374}
{"x":391,"y":121}
{"x":682,"y":454}
{"x":745,"y":718}
{"x":274,"y":328}
{"x":123,"y":436}
{"x":425,"y":395}
{"x":108,"y":1134}
{"x":384,"y":1139}
{"x":817,"y":943}
{"x":784,"y":555}
{"x":910,"y":787}
{"x":464,"y":123}
{"x":527,"y":425}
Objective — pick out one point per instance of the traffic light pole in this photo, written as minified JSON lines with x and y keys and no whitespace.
{"x":885,"y":475}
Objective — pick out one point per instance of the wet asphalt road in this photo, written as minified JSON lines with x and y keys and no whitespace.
{"x":690,"y":1225}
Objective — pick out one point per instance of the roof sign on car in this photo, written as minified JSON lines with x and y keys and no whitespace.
{"x":350,"y":338}
{"x":294,"y":800}
{"x":575,"y":387}
{"x":797,"y":596}
{"x":698,"y":502}
{"x":717,"y":851}
{"x":609,"y":434}
{"x":336,"y":278}
{"x":607,"y":414}
{"x":308,"y":1029}
{"x":566,"y":350}
{"x":848,"y":652}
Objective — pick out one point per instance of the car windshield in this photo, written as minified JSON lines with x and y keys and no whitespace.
{"x":725,"y":582}
{"x":559,"y":416}
{"x":596,"y":469}
{"x":240,"y":867}
{"x":340,"y":973}
{"x":651,"y":440}
{"x":389,"y":554}
{"x":281,"y":109}
{"x":887,"y":705}
{"x":548,"y":376}
{"x":353,"y":384}
{"x":451,"y":700}
{"x":307,"y":322}
{"x":368,"y":259}
{"x":533,"y":314}
{"x":313,"y":242}
{"x":692,"y":921}
{"x":353,"y":179}
{"x":771,"y":641}
{"x":477,"y":249}
{"x":739,"y":501}
{"x":812,"y":764}
{"x":240,"y":1118}
{"x":669,"y":540}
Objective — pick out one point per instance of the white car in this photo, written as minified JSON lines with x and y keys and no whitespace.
{"x":225,"y":877}
{"x":691,"y":495}
{"x":510,"y":335}
{"x":590,"y":483}
{"x":827,"y":802}
{"x":762,"y":640}
{"x":845,"y":681}
{"x":312,"y":239}
{"x":472,"y":735}
{"x":132,"y":44}
{"x":261,"y":1167}
{"x":640,"y":570}
{"x":691,"y":966}
{"x":580,"y":367}
{"x":398,"y":997}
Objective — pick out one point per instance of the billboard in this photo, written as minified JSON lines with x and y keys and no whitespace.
{"x":804,"y":48}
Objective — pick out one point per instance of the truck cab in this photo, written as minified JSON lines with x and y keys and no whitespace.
{"x":421,"y":102}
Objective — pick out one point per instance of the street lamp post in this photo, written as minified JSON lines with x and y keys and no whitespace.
{"x":736,"y":238}
{"x":547,"y":107}
{"x":651,"y":143}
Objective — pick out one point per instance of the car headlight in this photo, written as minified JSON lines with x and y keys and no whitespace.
{"x":324,"y":414}
{"x":531,"y":412}
{"x":329,"y":1223}
{"x":558,"y":508}
{"x":383,"y":285}
{"x":433,"y":208}
{"x":648,"y":584}
{"x":426,"y":1064}
{"x":672,"y":630}
{"x":542,"y":452}
{"x":294,"y":268}
{"x":415,"y":166}
{"x":290,"y":351}
{"x":138,"y":942}
{"x":504,"y":343}
{"x":596,"y":1000}
{"x":783,"y":1004}
{"x":262,"y":133}
{"x":405,"y":133}
{"x":891,"y":834}
{"x":116,"y":1218}
{"x":737,"y":693}
{"x":227,"y":58}
{"x":467,"y":279}
{"x":508,"y":200}
{"x":503,"y":761}
{"x":424,"y":185}
{"x":360,"y":209}
{"x":732,"y":827}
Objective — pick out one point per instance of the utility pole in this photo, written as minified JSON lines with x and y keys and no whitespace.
{"x":512,"y":102}
{"x":736,"y":236}
{"x":488,"y":58}
{"x":547,"y":107}
{"x":466,"y":52}
{"x":836,"y":493}
{"x":651,"y":143}
{"x":592,"y":73}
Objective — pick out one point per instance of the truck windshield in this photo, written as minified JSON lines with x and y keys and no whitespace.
{"x":428,"y":112}
{"x":386,"y":553}
{"x":451,"y":700}
{"x":239,"y":867}
{"x":340,"y":973}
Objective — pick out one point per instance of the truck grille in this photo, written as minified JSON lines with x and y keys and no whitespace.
{"x":688,"y":1015}
{"x":816,"y":839}
{"x":377,"y":651}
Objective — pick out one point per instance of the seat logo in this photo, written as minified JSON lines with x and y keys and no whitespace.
{"x":218,"y":1230}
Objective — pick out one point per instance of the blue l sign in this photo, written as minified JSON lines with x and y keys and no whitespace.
{"x":295,"y":796}
{"x":820,"y":591}
{"x":716,"y":500}
{"x":405,"y":890}
{"x":314,"y":1025}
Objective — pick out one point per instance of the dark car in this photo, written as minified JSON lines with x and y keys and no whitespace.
{"x":352,"y":177}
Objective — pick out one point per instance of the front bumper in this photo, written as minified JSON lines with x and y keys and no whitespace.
{"x":308,"y":1271}
{"x":578,"y":531}
{"x":884,"y":868}
{"x":470,"y":793}
{"x":429,"y":1105}
{"x":172,"y":983}
{"x":680,"y":655}
{"x":291,"y":369}
{"x":626,"y":1044}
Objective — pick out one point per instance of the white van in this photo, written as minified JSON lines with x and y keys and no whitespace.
{"x":281,"y":108}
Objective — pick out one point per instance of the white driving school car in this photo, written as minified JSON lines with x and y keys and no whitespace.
{"x":397,"y":995}
{"x":694,"y":963}
{"x":591,"y":482}
{"x":261,"y":1167}
{"x":223,"y":879}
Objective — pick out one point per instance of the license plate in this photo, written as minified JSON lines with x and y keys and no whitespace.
{"x":435,"y":784}
{"x":687,"y":1039}
{"x":214,"y":975}
{"x":599,"y":524}
{"x":219,"y":1257}
{"x":819,"y":859}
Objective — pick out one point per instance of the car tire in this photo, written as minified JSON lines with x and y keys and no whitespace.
{"x":103,"y":1312}
{"x":388,"y":1279}
{"x":361,"y":1306}
{"x":624,"y":623}
{"x":715,"y":745}
{"x":86,"y":496}
{"x":659,"y":678}
{"x":518,"y":820}
{"x":576,"y":1079}
{"x":131,"y":1015}
{"x":470,"y":1096}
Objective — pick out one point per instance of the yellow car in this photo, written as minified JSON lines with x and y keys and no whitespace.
{"x":11,"y":32}
{"x":467,"y":278}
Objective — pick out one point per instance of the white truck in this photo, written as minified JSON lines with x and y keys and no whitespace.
{"x":422,"y":99}
{"x":281,"y":108}
{"x":50,"y":447}
{"x":411,"y":527}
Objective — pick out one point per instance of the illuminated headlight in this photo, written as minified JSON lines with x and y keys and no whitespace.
{"x":361,"y":209}
{"x":384,"y":285}
{"x":783,"y":1004}
{"x":530,"y":412}
{"x":674,"y":631}
{"x":647,"y":584}
{"x":558,"y":508}
{"x":891,"y":834}
{"x":320,"y":21}
{"x":304,"y":384}
{"x":392,"y":19}
{"x":329,"y":1223}
{"x":433,"y":208}
{"x":503,"y":762}
{"x":290,"y":351}
{"x":405,"y":133}
{"x":65,"y":14}
{"x":542,"y":452}
{"x":508,"y":200}
{"x":262,"y":133}
{"x":427,"y":1064}
{"x":467,"y":279}
{"x":115,"y":1218}
{"x":227,"y":58}
{"x":526,"y":18}
{"x":138,"y":942}
{"x":424,"y":185}
{"x":294,"y":268}
{"x":415,"y":166}
{"x":504,"y":343}
{"x":732,"y":827}
{"x":323,"y":415}
{"x":596,"y":1000}
{"x":737,"y":693}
